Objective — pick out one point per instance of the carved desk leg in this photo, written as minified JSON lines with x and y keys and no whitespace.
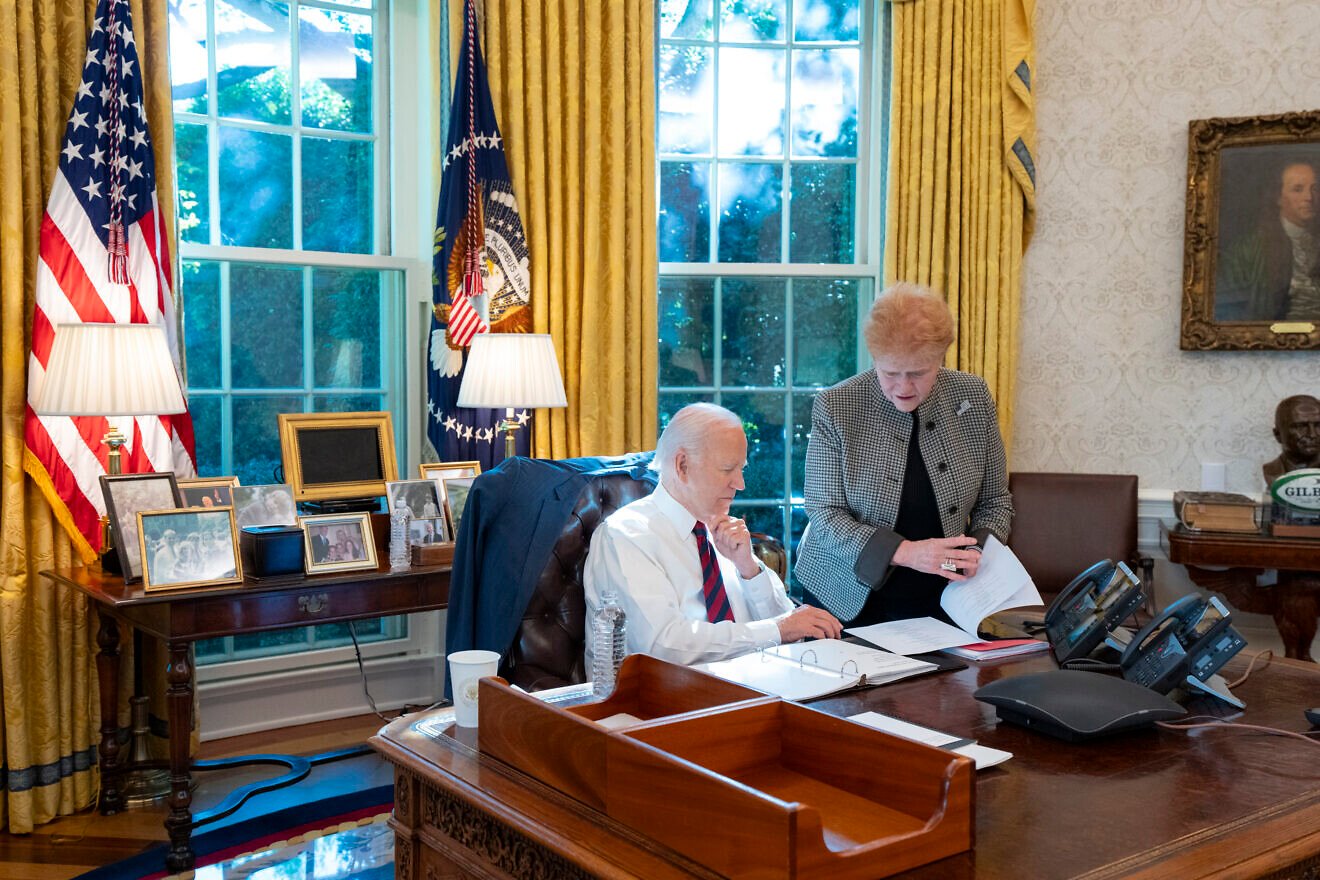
{"x":107,"y":677}
{"x":179,"y":698}
{"x":1296,"y":612}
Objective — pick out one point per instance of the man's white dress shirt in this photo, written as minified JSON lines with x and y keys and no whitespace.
{"x":646,"y":552}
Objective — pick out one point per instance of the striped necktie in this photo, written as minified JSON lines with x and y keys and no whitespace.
{"x":712,"y":585}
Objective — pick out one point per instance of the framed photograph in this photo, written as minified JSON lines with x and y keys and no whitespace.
{"x":208,"y":491}
{"x":196,"y":547}
{"x":126,"y":495}
{"x":264,"y":505}
{"x":456,"y":493}
{"x":427,"y":530}
{"x":439,"y":471}
{"x":1251,"y":247}
{"x":420,"y":497}
{"x":337,"y":542}
{"x":331,"y":456}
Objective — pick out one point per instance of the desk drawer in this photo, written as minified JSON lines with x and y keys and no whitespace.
{"x":309,"y":604}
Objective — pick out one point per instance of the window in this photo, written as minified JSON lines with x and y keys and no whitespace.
{"x":289,"y":302}
{"x":768,"y":251}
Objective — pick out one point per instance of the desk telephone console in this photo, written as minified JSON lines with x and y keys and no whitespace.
{"x":1185,"y":645}
{"x":1090,"y":608}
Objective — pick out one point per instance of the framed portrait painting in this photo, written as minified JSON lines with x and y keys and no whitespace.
{"x":1251,"y":246}
{"x":195,"y":547}
{"x":126,"y":495}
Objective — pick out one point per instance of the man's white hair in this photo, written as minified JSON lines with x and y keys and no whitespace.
{"x":690,"y":430}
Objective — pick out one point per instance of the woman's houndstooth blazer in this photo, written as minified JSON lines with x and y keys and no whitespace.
{"x":855,"y":463}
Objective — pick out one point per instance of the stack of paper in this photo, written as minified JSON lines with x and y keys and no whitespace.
{"x":997,"y":649}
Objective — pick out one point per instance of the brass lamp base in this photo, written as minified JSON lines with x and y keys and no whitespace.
{"x":508,"y":425}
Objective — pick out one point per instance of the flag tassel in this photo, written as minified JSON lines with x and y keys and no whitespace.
{"x":118,"y":253}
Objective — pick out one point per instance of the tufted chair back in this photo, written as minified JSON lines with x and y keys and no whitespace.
{"x":548,"y":648}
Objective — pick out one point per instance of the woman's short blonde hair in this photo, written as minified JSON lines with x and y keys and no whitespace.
{"x":907,"y":319}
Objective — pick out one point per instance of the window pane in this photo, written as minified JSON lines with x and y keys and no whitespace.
{"x":766,"y":520}
{"x":824,"y":330}
{"x":834,"y":20}
{"x":346,"y":323}
{"x":279,"y":641}
{"x":825,"y":102}
{"x":671,"y":402}
{"x":687,"y":105}
{"x":802,"y":404}
{"x":753,"y":331}
{"x":208,"y":430}
{"x":266,"y":319}
{"x":823,"y":213}
{"x":257,"y":437}
{"x":335,"y":69}
{"x":187,"y":34}
{"x":348,"y":402}
{"x":751,"y":20}
{"x":252,"y":60}
{"x":199,"y":289}
{"x":192,"y":171}
{"x":684,"y":212}
{"x":751,"y":209}
{"x":685,"y":19}
{"x":686,"y":333}
{"x":256,"y":178}
{"x":751,"y":104}
{"x":337,"y":211}
{"x":763,"y":417}
{"x":209,"y":650}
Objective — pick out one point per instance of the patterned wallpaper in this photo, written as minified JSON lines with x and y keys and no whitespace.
{"x":1102,"y":386}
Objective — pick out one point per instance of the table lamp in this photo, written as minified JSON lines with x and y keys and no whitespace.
{"x":513,"y":371}
{"x":110,"y":370}
{"x":116,"y":370}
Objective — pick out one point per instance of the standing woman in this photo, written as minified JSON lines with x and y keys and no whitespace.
{"x":906,"y":475}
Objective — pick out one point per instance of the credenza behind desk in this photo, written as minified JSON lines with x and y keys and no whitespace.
{"x":181,"y":617}
{"x":1149,"y":804}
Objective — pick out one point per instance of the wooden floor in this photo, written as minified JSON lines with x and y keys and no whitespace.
{"x":75,"y":844}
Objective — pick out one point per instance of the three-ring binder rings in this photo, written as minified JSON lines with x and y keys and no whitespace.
{"x":805,"y":670}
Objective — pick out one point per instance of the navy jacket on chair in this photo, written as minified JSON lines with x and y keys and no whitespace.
{"x":509,"y":526}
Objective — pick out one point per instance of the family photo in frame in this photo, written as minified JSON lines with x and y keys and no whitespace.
{"x":440,"y":471}
{"x":1251,"y":253}
{"x":208,"y":491}
{"x":189,"y":548}
{"x":337,"y":542}
{"x":126,"y":495}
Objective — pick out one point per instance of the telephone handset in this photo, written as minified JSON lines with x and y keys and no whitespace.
{"x":1191,"y":639}
{"x":1090,"y":607}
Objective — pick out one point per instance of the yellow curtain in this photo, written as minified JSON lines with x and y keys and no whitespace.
{"x":48,"y":694}
{"x":961,"y":193}
{"x":573,"y":84}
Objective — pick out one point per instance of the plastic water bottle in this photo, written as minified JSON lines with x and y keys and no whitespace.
{"x":400,"y":516}
{"x":609,"y":638}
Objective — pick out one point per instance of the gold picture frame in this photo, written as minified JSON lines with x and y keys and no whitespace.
{"x":208,"y":491}
{"x":193,"y":547}
{"x":439,"y":471}
{"x":331,"y":456}
{"x":1240,"y":291}
{"x":338,"y":542}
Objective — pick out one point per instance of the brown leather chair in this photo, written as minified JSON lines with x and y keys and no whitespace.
{"x":1062,"y":523}
{"x":547,"y":651}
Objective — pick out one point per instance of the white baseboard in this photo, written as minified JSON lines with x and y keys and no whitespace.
{"x":284,"y":699}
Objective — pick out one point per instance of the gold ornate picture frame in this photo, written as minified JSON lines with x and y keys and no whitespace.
{"x":1251,"y":246}
{"x":196,"y":547}
{"x":338,"y":542}
{"x":332,"y":456}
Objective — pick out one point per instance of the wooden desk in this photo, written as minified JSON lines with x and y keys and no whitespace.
{"x":181,"y":617}
{"x":1148,"y":804}
{"x":1294,"y":602}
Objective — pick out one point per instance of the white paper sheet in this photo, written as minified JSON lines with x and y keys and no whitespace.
{"x":984,"y":756}
{"x":916,"y":635}
{"x":1000,"y":582}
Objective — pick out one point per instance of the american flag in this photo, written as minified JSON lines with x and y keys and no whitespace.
{"x":104,"y":259}
{"x":479,"y":249}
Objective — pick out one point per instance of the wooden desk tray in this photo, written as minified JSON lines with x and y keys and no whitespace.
{"x":439,"y":553}
{"x":755,"y":787}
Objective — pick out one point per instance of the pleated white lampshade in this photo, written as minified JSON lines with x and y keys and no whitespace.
{"x":109,"y":370}
{"x":512,"y":370}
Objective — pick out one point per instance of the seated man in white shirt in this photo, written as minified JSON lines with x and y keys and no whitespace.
{"x":683,"y":567}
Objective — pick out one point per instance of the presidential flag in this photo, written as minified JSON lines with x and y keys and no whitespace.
{"x":480,"y":251}
{"x":104,"y":258}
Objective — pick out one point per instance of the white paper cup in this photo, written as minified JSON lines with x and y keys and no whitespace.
{"x":466,"y":668}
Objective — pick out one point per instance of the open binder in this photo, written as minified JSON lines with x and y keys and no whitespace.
{"x":805,"y":670}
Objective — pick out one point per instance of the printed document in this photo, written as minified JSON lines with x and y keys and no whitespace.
{"x":1000,"y":582}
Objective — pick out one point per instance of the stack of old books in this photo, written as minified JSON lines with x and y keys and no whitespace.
{"x":1217,"y":511}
